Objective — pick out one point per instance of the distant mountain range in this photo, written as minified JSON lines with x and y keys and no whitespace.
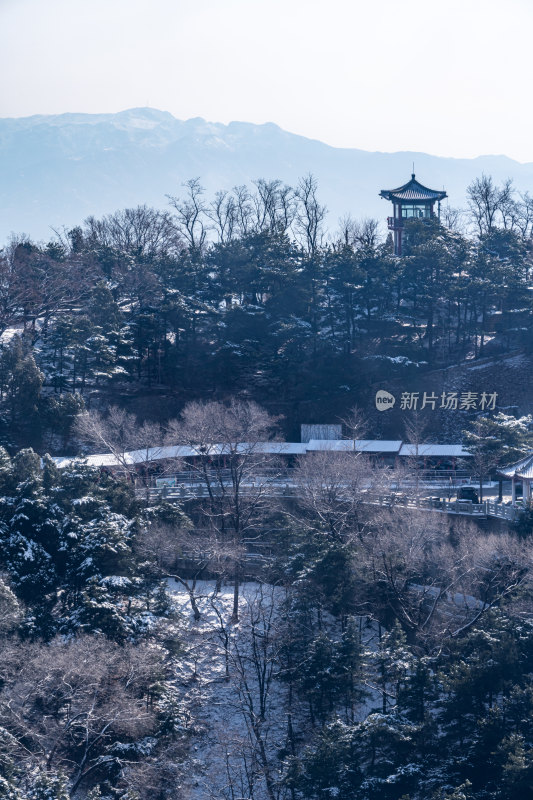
{"x":57,"y":170}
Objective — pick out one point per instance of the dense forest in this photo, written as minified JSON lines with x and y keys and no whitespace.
{"x":320,"y":646}
{"x":245,"y":295}
{"x":375,"y":654}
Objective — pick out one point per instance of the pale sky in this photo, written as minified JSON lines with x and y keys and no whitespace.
{"x":451,"y":78}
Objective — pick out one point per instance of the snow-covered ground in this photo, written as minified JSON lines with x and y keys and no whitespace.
{"x":241,"y":715}
{"x":9,"y":333}
{"x":235,"y":718}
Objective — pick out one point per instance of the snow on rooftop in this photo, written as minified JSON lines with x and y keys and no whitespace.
{"x":436,"y":450}
{"x":174,"y":452}
{"x":359,"y":445}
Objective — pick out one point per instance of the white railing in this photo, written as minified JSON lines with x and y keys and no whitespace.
{"x":488,"y":508}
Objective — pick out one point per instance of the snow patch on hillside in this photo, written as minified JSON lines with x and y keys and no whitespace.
{"x":228,"y":682}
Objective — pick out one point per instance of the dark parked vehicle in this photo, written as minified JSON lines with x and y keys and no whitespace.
{"x":467,"y":493}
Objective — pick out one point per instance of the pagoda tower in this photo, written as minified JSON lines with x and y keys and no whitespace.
{"x":410,"y":201}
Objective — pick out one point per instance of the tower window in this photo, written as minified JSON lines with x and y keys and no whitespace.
{"x":414,"y":211}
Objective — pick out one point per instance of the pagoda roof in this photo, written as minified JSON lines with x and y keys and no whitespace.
{"x":521,"y":469}
{"x":412,"y":191}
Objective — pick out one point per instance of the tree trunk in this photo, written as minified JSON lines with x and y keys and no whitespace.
{"x":235,"y":614}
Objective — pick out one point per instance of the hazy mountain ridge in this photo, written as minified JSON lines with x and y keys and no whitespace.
{"x":58,"y":169}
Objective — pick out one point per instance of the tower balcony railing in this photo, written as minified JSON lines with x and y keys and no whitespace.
{"x":394,"y":223}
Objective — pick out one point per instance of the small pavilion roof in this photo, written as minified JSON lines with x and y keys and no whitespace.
{"x":412,"y":191}
{"x":521,"y":469}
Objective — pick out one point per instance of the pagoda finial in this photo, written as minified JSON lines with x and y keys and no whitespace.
{"x":413,"y":172}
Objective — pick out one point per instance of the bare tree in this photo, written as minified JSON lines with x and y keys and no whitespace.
{"x":409,"y":568}
{"x":331,"y":487}
{"x":453,"y":218}
{"x":223,"y":213}
{"x":147,"y":441}
{"x":112,"y":434}
{"x":70,"y":705}
{"x":347,"y":232}
{"x":355,"y":425}
{"x":524,"y":219}
{"x":233,"y":465}
{"x":487,"y":202}
{"x":415,"y":429}
{"x":243,"y":209}
{"x":366,"y":233}
{"x":166,"y":546}
{"x":142,"y":232}
{"x":362,"y":234}
{"x":129,"y":241}
{"x":119,"y":435}
{"x":286,"y":208}
{"x":36,"y":285}
{"x":255,"y":663}
{"x":274,"y":206}
{"x":191,"y":215}
{"x":509,"y":208}
{"x":310,"y":214}
{"x":265,"y":203}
